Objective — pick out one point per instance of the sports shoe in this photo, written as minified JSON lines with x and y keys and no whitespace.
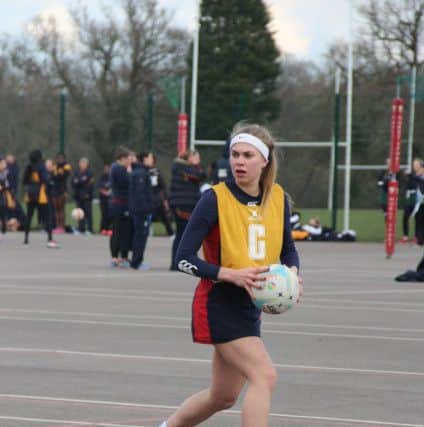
{"x":103,"y":232}
{"x":124,"y":264}
{"x":109,"y":232}
{"x":53,"y":245}
{"x":88,"y":233}
{"x":143,"y":267}
{"x":403,"y":240}
{"x":113,"y":263}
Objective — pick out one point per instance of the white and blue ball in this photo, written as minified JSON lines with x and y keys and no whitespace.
{"x":279,"y":291}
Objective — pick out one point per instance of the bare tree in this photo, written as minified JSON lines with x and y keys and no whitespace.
{"x":108,"y":67}
{"x":396,"y":29}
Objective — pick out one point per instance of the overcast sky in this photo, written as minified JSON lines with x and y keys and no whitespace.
{"x":302,"y":27}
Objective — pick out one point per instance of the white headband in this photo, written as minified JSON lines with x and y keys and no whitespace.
{"x":252,"y":140}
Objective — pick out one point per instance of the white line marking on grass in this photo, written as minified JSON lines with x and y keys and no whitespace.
{"x":235,"y":412}
{"x":172,"y":326}
{"x":188,"y":319}
{"x":66,"y":422}
{"x":195,"y":360}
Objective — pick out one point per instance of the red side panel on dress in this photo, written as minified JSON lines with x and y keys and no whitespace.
{"x":201,"y":330}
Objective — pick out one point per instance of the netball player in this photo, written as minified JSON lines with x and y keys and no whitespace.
{"x":244,"y":226}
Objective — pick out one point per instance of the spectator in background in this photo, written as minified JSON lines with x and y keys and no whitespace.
{"x":83,"y":184}
{"x":221,"y":169}
{"x":35,"y":182}
{"x":161,"y":209}
{"x":419,"y":205}
{"x":120,"y":241}
{"x":13,"y":169}
{"x":104,"y":197}
{"x":4,"y":190}
{"x":60,"y":174}
{"x":187,"y":175}
{"x":382,"y":184}
{"x":50,"y":188}
{"x":413,"y":275}
{"x":410,"y":198}
{"x":140,"y":205}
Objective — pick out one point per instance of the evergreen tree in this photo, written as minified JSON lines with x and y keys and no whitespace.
{"x":238,"y":67}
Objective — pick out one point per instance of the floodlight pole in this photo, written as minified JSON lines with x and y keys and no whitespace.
{"x":183,"y":95}
{"x":348,"y":153}
{"x":411,"y":113}
{"x":335,"y":156}
{"x":194,"y":66}
{"x":62,"y":121}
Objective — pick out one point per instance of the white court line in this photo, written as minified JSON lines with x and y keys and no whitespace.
{"x":88,"y":294}
{"x":142,"y":294}
{"x":145,"y":293}
{"x":188,"y":319}
{"x":207,"y":361}
{"x":152,"y":298}
{"x":112,"y":274}
{"x":169,"y":407}
{"x":172,"y":326}
{"x":76,"y":423}
{"x":89,"y":290}
{"x":402,"y":291}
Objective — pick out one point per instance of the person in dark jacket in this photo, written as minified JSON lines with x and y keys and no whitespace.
{"x":382,"y":184}
{"x":140,"y":205}
{"x":51,"y":188}
{"x":13,"y":168}
{"x":120,"y":241}
{"x":104,"y":197}
{"x":418,"y":211}
{"x":413,"y":275}
{"x":60,"y":174}
{"x":187,"y":175}
{"x":221,"y":168}
{"x":4,"y":191}
{"x":83,"y":185}
{"x":35,"y":181}
{"x":161,"y":208}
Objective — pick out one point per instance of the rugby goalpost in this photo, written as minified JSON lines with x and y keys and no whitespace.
{"x":320,"y":144}
{"x":333,"y":145}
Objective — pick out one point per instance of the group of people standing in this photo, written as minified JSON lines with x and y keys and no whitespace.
{"x":138,"y":193}
{"x":412,"y":201}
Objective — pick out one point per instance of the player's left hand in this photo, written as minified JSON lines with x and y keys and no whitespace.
{"x":300,"y":281}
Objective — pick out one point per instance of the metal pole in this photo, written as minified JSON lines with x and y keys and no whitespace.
{"x":194,"y":70}
{"x":183,"y":94}
{"x":150,"y":122}
{"x":335,"y":149}
{"x":348,"y":154}
{"x":398,"y":87}
{"x":62,"y":118}
{"x":411,"y":114}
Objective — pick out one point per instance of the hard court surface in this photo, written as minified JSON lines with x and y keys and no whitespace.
{"x":84,"y":345}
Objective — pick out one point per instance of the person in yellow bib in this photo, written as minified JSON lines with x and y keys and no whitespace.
{"x":243,"y":226}
{"x":36,"y":196}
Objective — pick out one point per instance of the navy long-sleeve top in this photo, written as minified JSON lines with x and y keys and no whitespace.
{"x":205,"y":217}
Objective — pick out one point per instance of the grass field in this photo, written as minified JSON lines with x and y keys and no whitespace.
{"x":368,"y":223}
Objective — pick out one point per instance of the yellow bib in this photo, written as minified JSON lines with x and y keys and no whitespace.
{"x":249,"y":235}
